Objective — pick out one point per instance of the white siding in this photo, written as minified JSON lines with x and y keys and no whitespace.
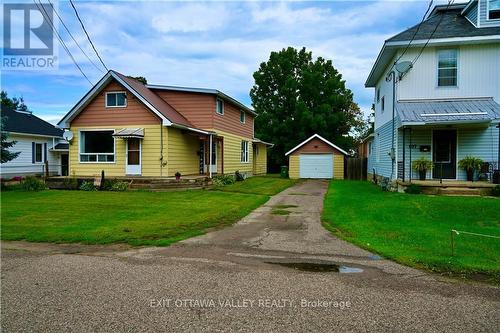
{"x":22,"y":165}
{"x":478,"y":74}
{"x":385,"y":91}
{"x":483,"y":16}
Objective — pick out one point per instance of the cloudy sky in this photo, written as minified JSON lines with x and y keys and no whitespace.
{"x":210,"y":44}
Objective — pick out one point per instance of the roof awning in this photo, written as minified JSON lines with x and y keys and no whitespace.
{"x":428,"y":112}
{"x":60,"y":147}
{"x":130,"y":133}
{"x":255,"y":140}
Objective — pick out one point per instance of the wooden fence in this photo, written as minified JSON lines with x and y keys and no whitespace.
{"x":356,"y":168}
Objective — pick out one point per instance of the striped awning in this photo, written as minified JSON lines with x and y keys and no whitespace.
{"x":130,"y":133}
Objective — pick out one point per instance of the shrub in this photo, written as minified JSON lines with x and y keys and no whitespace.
{"x":31,"y":183}
{"x":413,"y":189}
{"x":119,"y":186}
{"x":223,"y":180}
{"x":108,"y":184}
{"x":88,"y":186}
{"x":470,"y":163}
{"x":495,"y":191}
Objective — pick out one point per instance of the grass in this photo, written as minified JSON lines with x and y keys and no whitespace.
{"x":135,"y":218}
{"x":415,"y":229}
{"x":266,"y":185}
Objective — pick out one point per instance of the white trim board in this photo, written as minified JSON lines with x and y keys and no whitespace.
{"x":318,"y":137}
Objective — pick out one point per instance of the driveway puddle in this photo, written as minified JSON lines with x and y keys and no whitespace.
{"x":316,"y":267}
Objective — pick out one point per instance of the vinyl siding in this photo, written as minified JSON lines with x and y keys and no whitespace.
{"x":230,"y":122}
{"x":294,"y":166}
{"x":382,"y":143}
{"x":472,"y":14}
{"x":260,"y":160}
{"x":232,"y":153}
{"x":417,"y":137}
{"x":483,"y":16}
{"x":150,"y":153}
{"x":315,"y":146}
{"x":182,"y":153}
{"x":97,"y":114}
{"x":338,"y":166}
{"x":22,"y":165}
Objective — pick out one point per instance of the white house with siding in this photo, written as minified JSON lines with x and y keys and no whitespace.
{"x":37,"y":141}
{"x":446,"y":105}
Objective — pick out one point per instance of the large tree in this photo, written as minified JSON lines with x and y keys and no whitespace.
{"x":14,"y":104}
{"x":296,"y":96}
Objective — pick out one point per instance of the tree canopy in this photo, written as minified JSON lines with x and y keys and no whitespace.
{"x":14,"y":104}
{"x":297,"y":96}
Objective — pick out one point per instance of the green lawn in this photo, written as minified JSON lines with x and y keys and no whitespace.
{"x":133,"y":217}
{"x":415,"y":229}
{"x":267,"y":185}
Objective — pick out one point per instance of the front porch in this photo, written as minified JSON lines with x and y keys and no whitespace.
{"x":449,"y":187}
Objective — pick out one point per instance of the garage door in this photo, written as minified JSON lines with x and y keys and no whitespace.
{"x":316,"y":166}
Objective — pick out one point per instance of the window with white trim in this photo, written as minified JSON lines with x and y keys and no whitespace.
{"x":243,"y":116}
{"x":447,"y":68}
{"x":97,"y":147}
{"x":116,"y":99}
{"x":219,"y":106}
{"x":38,"y":152}
{"x":493,"y":9}
{"x":244,"y":151}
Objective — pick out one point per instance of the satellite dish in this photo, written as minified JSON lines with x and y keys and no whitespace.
{"x":68,"y":135}
{"x":404,"y":66}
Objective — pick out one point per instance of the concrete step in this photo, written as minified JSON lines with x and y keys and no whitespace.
{"x":459,"y":191}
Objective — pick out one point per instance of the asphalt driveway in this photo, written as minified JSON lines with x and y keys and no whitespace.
{"x":277,"y":269}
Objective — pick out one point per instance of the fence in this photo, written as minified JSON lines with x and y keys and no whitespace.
{"x":356,"y":168}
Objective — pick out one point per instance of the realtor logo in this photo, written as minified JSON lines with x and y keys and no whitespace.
{"x":28,"y":36}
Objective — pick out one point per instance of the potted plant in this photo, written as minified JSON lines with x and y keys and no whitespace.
{"x":470,"y":164}
{"x":421,"y":165}
{"x":177,"y":175}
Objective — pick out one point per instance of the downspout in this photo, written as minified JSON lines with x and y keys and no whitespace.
{"x":404,"y":149}
{"x":161,"y":150}
{"x":498,"y":161}
{"x":410,"y":155}
{"x":392,"y":76}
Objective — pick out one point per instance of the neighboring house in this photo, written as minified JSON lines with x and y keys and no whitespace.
{"x":37,"y":141}
{"x":129,"y":129}
{"x":365,"y":146}
{"x":316,"y":157}
{"x":447,"y":104}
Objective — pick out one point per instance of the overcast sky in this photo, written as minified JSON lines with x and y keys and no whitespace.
{"x":211,"y":44}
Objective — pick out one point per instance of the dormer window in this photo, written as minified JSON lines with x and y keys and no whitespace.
{"x":116,"y":99}
{"x":493,"y":9}
{"x":447,"y":68}
{"x":242,"y":116}
{"x":219,"y":107}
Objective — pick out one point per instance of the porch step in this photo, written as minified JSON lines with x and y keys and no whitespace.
{"x":459,"y":191}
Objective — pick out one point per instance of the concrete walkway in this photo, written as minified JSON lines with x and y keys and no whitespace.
{"x":236,"y":279}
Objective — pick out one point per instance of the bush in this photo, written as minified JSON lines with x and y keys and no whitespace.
{"x":413,"y":189}
{"x":119,"y":186}
{"x":495,"y":191}
{"x":88,"y":186}
{"x":223,"y":180}
{"x":31,"y":183}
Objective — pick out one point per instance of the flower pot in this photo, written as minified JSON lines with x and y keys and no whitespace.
{"x":470,"y":175}
{"x":422,"y":174}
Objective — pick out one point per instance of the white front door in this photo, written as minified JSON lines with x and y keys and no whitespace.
{"x":133,"y":160}
{"x":213,"y":167}
{"x":316,"y":166}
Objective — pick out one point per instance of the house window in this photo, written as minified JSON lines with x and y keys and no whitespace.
{"x":219,"y":108}
{"x":447,"y":68}
{"x":97,"y":147}
{"x":382,"y":104}
{"x":38,"y":153}
{"x":493,"y":9}
{"x":242,"y":117}
{"x":378,"y":95}
{"x":116,"y":99}
{"x":244,"y":151}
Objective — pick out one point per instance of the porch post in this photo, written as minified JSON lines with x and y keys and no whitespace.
{"x":210,"y":156}
{"x":498,"y":159}
{"x":404,"y":149}
{"x":410,"y":169}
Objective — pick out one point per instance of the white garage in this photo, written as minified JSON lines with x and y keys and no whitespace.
{"x":316,"y":157}
{"x":316,"y":165}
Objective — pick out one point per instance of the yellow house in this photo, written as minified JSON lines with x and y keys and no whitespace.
{"x":316,"y":157}
{"x":127,"y":128}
